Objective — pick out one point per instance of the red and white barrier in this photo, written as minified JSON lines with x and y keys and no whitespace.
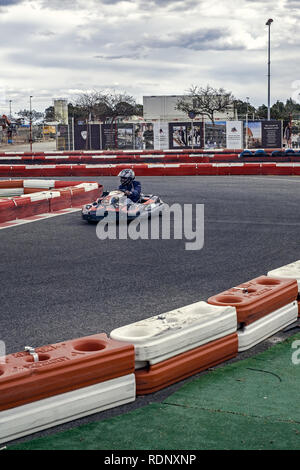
{"x":46,"y":386}
{"x":189,"y":336}
{"x":267,"y":326}
{"x":33,"y":197}
{"x":142,"y":158}
{"x":131,"y":152}
{"x":152,"y":169}
{"x":66,"y":407}
{"x":290,"y":271}
{"x":175,"y":345}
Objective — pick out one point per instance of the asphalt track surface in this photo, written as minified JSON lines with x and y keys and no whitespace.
{"x":59,"y":281}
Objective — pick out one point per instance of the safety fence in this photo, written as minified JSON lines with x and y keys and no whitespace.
{"x":46,"y":386}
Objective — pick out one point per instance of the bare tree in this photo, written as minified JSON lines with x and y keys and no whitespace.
{"x":26,"y":114}
{"x":205,"y":101}
{"x":87,"y":102}
{"x":106,"y":106}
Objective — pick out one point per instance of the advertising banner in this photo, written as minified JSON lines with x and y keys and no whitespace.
{"x":125,"y":136}
{"x":185,"y":135}
{"x":215,"y":135}
{"x":117,"y":136}
{"x":87,"y":137}
{"x":234,"y":134}
{"x":161,"y":135}
{"x":287,"y":134}
{"x":271,"y":134}
{"x":253,"y":134}
{"x":143,"y":136}
{"x":263,"y":134}
{"x":296,"y":134}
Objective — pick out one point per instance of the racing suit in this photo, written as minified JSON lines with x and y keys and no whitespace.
{"x":135,"y":189}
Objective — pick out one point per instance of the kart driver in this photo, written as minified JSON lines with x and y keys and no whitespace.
{"x":131,"y":188}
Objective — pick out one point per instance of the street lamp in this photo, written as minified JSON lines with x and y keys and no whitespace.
{"x":268,"y":23}
{"x":10,"y":101}
{"x":247,"y":98}
{"x":30,"y":123}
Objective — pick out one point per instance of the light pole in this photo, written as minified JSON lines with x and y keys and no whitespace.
{"x":268,"y":23}
{"x":247,"y":98}
{"x":10,"y":101}
{"x":30,"y":123}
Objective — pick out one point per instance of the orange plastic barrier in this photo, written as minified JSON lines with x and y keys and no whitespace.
{"x":206,"y":169}
{"x":258,"y":297}
{"x":63,"y":367}
{"x":184,"y":365}
{"x":269,"y":169}
{"x":79,"y":196}
{"x":296,"y":170}
{"x":62,"y":202}
{"x":65,"y":184}
{"x":33,"y":190}
{"x":188,"y":169}
{"x":58,"y":170}
{"x":11,"y":184}
{"x":7,"y":210}
{"x":251,"y":169}
{"x":25,"y":207}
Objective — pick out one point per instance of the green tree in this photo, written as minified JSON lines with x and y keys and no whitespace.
{"x":262,"y":112}
{"x":242,"y":107}
{"x":50,"y":114}
{"x":35,"y":115}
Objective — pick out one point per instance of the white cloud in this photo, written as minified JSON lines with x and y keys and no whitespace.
{"x":144,"y":47}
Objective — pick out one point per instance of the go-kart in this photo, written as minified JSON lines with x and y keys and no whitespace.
{"x":115,"y":204}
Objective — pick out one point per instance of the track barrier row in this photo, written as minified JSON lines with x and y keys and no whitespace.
{"x":27,"y":198}
{"x":135,"y":152}
{"x":147,"y":158}
{"x":46,"y":386}
{"x":154,"y":169}
{"x":146,"y":356}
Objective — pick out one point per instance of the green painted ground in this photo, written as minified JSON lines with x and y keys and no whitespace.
{"x":251,"y":404}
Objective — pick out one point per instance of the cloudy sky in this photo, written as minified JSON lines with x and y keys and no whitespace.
{"x":58,"y":48}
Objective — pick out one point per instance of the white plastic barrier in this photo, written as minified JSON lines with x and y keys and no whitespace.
{"x":10,"y":192}
{"x":87,"y":186}
{"x":290,"y":271}
{"x":45,"y":184}
{"x":163,"y":336}
{"x":267,"y":326}
{"x":49,"y":412}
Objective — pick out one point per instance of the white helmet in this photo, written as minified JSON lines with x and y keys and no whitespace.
{"x":126,"y":176}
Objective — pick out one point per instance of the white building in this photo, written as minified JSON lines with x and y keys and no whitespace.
{"x":163,"y":108}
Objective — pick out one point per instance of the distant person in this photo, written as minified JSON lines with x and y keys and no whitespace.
{"x":148,"y":137}
{"x":9,"y":135}
{"x":182,"y":136}
{"x":288,"y":135}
